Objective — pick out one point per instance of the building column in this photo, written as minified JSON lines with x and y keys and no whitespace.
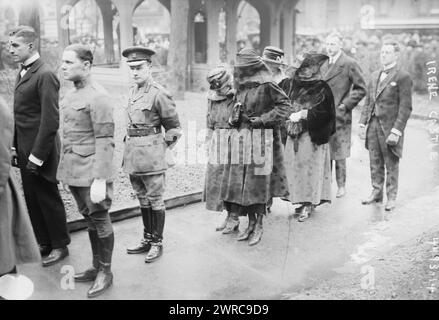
{"x":178,"y":49}
{"x":288,"y":29}
{"x":126,"y":10}
{"x":231,"y":29}
{"x":275,"y":13}
{"x":107,"y":18}
{"x":63,"y":8}
{"x":213,"y":9}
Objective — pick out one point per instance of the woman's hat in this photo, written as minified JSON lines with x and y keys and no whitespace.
{"x":248,"y":58}
{"x":273,"y":55}
{"x":309,"y":59}
{"x":218,"y":77}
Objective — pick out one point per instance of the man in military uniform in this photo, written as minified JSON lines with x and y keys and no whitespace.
{"x":150,"y":107}
{"x":86,"y":164}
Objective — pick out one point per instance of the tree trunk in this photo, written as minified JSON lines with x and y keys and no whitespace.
{"x":30,"y":16}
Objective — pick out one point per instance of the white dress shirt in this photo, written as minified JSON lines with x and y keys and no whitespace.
{"x":333,"y":60}
{"x":386,"y":68}
{"x":29,"y":61}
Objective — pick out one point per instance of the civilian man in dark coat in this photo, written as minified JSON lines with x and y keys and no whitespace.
{"x":345,"y":78}
{"x":37,"y":144}
{"x":388,"y":107}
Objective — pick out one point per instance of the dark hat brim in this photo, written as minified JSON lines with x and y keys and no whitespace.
{"x":145,"y":51}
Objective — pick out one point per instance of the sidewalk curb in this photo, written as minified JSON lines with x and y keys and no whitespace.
{"x":422,"y":117}
{"x":134,"y":211}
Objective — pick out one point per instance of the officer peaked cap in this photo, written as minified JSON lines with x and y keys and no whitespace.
{"x":137,"y":55}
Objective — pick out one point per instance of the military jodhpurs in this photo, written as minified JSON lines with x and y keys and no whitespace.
{"x":149,"y":190}
{"x":382,"y":159}
{"x":96,"y":214}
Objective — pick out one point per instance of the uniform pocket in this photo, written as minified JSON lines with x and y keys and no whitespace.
{"x":145,"y":154}
{"x":83,"y":150}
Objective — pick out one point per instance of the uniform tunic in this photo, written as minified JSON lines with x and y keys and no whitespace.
{"x":150,"y":106}
{"x":218,"y":129}
{"x":88,"y":137}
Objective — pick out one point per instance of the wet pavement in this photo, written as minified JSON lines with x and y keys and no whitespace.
{"x":199,"y":263}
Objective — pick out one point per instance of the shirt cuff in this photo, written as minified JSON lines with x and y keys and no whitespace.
{"x":35,"y":160}
{"x":396,"y":131}
{"x":304,"y":114}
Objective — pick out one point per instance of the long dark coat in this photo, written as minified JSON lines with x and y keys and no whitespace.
{"x":37,"y":118}
{"x":391,"y":101}
{"x":218,"y":112}
{"x":345,"y":78}
{"x":17,"y":240}
{"x":252,"y":181}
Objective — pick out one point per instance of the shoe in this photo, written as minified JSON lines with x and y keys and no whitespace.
{"x":103,"y":281}
{"x":45,"y":250}
{"x":341,"y":192}
{"x":232,"y":226}
{"x":155,"y":252}
{"x":104,"y":278}
{"x":143,"y":246}
{"x":390,"y":205}
{"x":304,"y":215}
{"x":86,"y":276}
{"x":249,"y":230}
{"x":256,"y":235}
{"x":223,"y":225}
{"x":373,"y":198}
{"x":55,"y":256}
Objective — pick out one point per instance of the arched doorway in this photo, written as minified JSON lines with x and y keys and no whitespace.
{"x":94,"y":22}
{"x":152,"y":28}
{"x":249,"y":26}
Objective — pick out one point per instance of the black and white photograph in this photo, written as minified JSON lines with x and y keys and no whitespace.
{"x":224,"y":152}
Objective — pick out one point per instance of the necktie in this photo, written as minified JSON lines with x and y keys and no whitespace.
{"x":24,"y":69}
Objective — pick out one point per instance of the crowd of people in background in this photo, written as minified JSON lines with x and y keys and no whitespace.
{"x":416,"y":50}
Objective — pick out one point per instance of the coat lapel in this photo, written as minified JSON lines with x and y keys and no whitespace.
{"x":37,"y":64}
{"x":335,"y":69}
{"x":383,"y":84}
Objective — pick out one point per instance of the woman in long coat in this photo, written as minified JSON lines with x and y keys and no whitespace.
{"x":17,"y":240}
{"x":255,"y":172}
{"x":310,"y":127}
{"x":220,"y":100}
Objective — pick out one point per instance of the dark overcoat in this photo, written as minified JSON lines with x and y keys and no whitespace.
{"x":218,"y":129}
{"x":248,"y":180}
{"x":391,"y":101}
{"x":37,"y":118}
{"x":348,"y":87}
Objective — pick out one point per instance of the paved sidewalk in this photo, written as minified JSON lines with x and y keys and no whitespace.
{"x":199,"y":263}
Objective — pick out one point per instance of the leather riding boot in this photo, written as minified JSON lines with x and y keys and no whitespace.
{"x":91,"y":273}
{"x":144,"y":244}
{"x":104,"y":278}
{"x":251,"y":227}
{"x":157,"y":236}
{"x":256,"y":235}
{"x":223,"y":225}
{"x":233,"y":223}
